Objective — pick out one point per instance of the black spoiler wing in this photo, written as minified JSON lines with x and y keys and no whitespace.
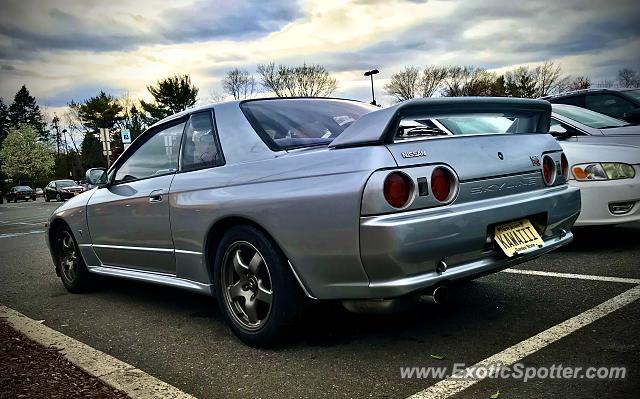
{"x":380,"y":127}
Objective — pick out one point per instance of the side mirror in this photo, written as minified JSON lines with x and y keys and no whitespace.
{"x":633,"y":116}
{"x":558,"y":131}
{"x":97,"y":177}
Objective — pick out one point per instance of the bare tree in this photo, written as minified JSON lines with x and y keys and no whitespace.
{"x":239,"y":84}
{"x":579,"y":83}
{"x":628,"y":78}
{"x":469,"y":81}
{"x":549,"y":78}
{"x":300,"y":81}
{"x":432,"y":78}
{"x":404,"y":85}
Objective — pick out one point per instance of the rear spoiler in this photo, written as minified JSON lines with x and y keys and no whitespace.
{"x":380,"y":127}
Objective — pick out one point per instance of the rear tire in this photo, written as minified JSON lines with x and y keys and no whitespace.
{"x":58,"y":197}
{"x":69,"y":263}
{"x":46,"y":198}
{"x":257,"y":293}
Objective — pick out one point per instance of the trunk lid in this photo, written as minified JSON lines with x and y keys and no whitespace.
{"x":478,"y":156}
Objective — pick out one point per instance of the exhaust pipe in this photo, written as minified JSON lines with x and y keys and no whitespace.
{"x":438,"y":296}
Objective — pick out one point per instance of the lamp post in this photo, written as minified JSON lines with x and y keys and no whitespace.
{"x":370,"y":74}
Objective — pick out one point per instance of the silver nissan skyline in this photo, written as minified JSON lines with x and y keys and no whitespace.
{"x":268,"y":203}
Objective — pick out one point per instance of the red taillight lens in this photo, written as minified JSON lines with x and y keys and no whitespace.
{"x":548,"y":170}
{"x":564,"y":166}
{"x":442,"y":183}
{"x":397,"y":189}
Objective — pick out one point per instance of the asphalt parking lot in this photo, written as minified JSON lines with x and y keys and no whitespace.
{"x":179,"y":338}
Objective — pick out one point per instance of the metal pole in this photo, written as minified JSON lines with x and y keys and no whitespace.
{"x":373,"y":94}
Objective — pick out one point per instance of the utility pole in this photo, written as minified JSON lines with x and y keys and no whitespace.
{"x":370,"y":74}
{"x":55,"y":122}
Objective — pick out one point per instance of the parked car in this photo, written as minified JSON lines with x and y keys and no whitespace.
{"x":264,"y":202}
{"x":607,"y":174}
{"x":39,"y":192}
{"x":623,"y":103}
{"x":61,"y":190}
{"x":573,"y":123}
{"x":21,"y":193}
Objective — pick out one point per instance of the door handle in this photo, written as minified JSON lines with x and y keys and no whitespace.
{"x":155,"y":196}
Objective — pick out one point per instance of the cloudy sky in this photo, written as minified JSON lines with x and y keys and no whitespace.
{"x":71,"y":49}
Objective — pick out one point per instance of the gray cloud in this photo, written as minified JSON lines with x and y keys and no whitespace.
{"x":31,"y":27}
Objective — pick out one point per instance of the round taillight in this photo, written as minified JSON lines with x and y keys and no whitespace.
{"x":548,"y":170}
{"x":397,"y":189}
{"x":442,"y":183}
{"x":564,"y":166}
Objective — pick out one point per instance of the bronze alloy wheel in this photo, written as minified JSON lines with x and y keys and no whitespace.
{"x":246,"y":279}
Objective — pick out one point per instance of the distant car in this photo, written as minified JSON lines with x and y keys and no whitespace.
{"x":607,"y":174}
{"x":621,"y":103}
{"x":61,"y":190}
{"x":263,"y":201}
{"x":25,"y":193}
{"x":39,"y":192}
{"x":571,"y":123}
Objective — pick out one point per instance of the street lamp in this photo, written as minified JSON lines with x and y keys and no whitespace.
{"x":371,"y":73}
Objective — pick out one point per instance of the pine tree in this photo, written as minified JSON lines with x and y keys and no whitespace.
{"x":91,"y":149}
{"x":171,"y":95}
{"x":4,"y":121}
{"x":25,"y":111}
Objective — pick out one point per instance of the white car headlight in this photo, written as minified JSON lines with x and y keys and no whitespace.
{"x":603,"y":171}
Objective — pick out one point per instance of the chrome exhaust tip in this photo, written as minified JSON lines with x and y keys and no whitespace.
{"x":438,"y":296}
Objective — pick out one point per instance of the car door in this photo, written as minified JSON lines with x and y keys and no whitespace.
{"x":129,"y":218}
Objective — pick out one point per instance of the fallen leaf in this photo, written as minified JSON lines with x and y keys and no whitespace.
{"x":438,"y":357}
{"x":495,"y":395}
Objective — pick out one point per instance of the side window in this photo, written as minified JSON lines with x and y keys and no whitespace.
{"x":608,"y":104}
{"x":578,"y":101}
{"x":200,"y":148}
{"x":155,"y":157}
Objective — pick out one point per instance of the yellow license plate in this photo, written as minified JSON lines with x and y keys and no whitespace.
{"x":517,"y":237}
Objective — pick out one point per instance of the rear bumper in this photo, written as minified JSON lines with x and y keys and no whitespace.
{"x":597,"y":196}
{"x":400,"y":251}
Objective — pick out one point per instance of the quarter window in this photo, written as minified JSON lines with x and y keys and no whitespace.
{"x":155,"y":157}
{"x":609,"y":104}
{"x":200,"y":148}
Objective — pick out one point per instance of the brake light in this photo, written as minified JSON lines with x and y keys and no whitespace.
{"x":564,"y":166}
{"x":442,"y":183}
{"x":548,"y":170}
{"x":397,"y":189}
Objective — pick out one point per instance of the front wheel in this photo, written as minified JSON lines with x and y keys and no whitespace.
{"x":70,"y":265}
{"x":46,"y":198}
{"x":256,"y":291}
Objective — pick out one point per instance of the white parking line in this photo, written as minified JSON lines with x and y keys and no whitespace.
{"x":118,"y":374}
{"x":9,"y":235}
{"x":576,"y":276}
{"x":451,"y":386}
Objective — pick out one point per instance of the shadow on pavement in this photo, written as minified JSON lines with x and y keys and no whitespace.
{"x":611,"y":238}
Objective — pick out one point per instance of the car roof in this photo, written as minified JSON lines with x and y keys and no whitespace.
{"x":205,"y":107}
{"x":590,"y":90}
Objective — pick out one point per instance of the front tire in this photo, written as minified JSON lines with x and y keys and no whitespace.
{"x":70,"y":265}
{"x":257,"y":293}
{"x":46,"y":198}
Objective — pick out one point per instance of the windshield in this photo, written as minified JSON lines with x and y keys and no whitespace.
{"x":633,"y":93}
{"x":587,"y":117}
{"x":65,"y":183}
{"x":23,"y":188}
{"x":292,"y":123}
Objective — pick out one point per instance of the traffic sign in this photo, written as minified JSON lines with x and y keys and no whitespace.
{"x":126,"y":136}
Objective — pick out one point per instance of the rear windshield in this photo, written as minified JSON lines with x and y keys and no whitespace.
{"x":23,"y":188}
{"x":462,"y":125}
{"x":293,"y":123}
{"x":65,"y":183}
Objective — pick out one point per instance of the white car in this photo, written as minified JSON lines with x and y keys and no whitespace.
{"x":608,"y":174}
{"x":609,"y":180}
